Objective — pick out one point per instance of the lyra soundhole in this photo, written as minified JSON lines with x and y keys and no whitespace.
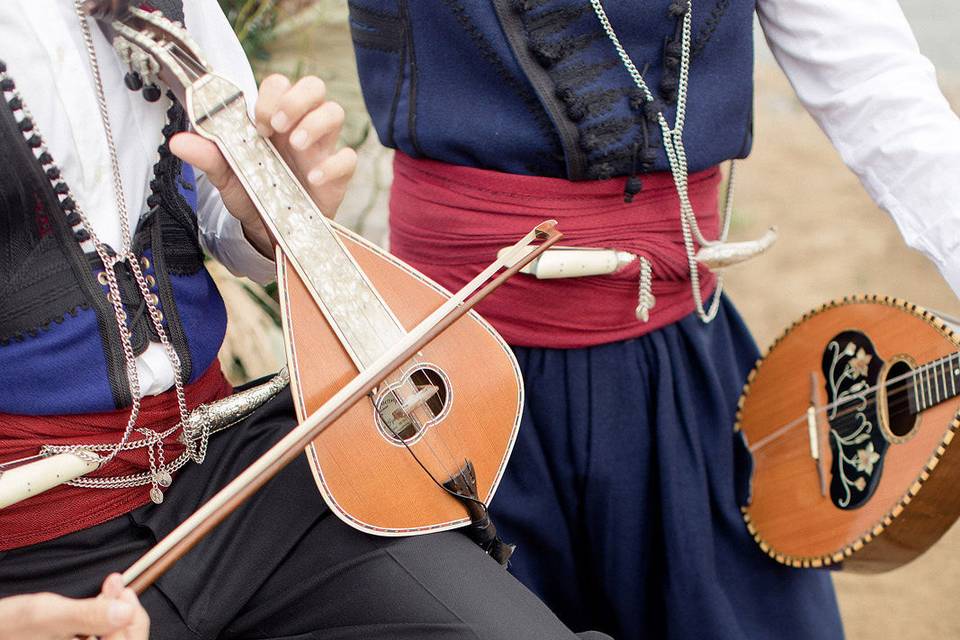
{"x":410,"y":406}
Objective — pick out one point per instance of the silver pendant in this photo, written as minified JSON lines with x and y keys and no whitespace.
{"x":164,"y":479}
{"x":156,"y":495}
{"x":725,"y":254}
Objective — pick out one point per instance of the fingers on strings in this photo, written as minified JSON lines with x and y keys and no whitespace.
{"x":281,"y":106}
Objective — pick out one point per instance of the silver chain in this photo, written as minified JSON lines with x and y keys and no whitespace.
{"x":677,"y":157}
{"x":160,"y":471}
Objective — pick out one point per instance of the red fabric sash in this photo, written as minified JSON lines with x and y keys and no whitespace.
{"x":66,"y":509}
{"x":449,"y":221}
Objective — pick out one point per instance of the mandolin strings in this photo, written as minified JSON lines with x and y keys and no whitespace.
{"x":860,"y":406}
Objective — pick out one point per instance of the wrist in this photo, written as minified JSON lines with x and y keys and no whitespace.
{"x":256,"y":233}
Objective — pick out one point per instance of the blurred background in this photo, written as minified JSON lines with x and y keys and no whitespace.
{"x":833,"y":241}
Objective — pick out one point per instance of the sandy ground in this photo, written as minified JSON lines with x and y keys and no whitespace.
{"x":833,"y":241}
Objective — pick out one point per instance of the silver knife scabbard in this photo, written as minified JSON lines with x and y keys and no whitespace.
{"x":22,"y":479}
{"x":217,"y":416}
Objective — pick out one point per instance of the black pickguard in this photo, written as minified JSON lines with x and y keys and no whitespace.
{"x":851,"y":368}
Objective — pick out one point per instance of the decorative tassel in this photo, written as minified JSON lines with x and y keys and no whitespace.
{"x":645,"y":298}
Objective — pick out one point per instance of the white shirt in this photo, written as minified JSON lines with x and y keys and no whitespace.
{"x":854,"y":64}
{"x":856,"y":67}
{"x":43,"y":47}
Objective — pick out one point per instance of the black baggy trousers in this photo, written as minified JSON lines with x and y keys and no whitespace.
{"x":283,"y":566}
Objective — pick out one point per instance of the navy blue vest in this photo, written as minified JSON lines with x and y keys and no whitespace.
{"x":535,"y":86}
{"x":60,"y":349}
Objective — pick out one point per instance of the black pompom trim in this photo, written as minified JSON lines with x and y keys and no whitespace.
{"x":678,"y":8}
{"x":633,"y":186}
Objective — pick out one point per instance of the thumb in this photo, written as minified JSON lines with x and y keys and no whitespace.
{"x":94,"y":616}
{"x":203,"y":155}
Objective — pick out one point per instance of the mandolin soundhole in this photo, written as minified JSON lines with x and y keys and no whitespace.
{"x":408,"y":407}
{"x":898,"y":419}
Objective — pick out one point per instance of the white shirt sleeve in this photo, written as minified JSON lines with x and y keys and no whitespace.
{"x":857,"y":69}
{"x":221,"y":233}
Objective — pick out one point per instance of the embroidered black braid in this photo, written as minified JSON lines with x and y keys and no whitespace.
{"x":706,"y":32}
{"x":597,"y":137}
{"x":550,"y":52}
{"x":616,"y":162}
{"x":582,"y":73}
{"x":560,"y":38}
{"x":527,"y":5}
{"x":555,"y":20}
{"x":590,"y":104}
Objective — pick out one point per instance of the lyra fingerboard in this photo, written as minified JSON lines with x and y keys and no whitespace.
{"x":348,"y":300}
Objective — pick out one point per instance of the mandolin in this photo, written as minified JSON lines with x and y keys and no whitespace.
{"x":426,"y":447}
{"x":849,"y":418}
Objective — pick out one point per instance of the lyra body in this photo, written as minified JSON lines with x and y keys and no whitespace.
{"x":437,"y":426}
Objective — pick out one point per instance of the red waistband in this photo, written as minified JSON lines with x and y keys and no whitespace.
{"x":65,"y":509}
{"x":449,"y":222}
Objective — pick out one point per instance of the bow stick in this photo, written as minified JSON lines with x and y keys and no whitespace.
{"x":160,"y":50}
{"x":145,"y":571}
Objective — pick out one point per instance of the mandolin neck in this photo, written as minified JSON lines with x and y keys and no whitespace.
{"x":350,"y":303}
{"x":933,"y":383}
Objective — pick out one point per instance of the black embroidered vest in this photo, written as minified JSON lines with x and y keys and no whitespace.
{"x":536,"y":87}
{"x":60,"y":349}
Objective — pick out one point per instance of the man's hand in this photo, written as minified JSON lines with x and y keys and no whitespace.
{"x":304,"y":127}
{"x":115,"y":614}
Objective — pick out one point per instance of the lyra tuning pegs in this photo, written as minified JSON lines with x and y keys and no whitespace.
{"x":152,"y":93}
{"x":133,"y":80}
{"x":144,"y":69}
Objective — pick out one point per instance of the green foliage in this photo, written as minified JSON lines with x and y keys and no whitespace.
{"x":255,"y":23}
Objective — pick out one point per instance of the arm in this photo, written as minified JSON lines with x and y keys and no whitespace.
{"x":856,"y":67}
{"x":300,"y":122}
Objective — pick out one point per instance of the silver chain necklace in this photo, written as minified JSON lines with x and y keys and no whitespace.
{"x":677,"y":157}
{"x":160,"y":472}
